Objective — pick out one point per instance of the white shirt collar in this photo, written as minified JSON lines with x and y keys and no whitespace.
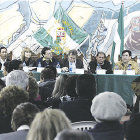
{"x":23,"y":127}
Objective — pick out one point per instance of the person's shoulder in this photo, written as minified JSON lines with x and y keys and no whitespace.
{"x":14,"y":135}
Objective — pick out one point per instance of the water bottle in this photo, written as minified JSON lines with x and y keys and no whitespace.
{"x":70,"y":68}
{"x":116,"y":67}
{"x":58,"y":65}
{"x":24,"y":64}
{"x":73,"y":67}
{"x":129,"y":67}
{"x":58,"y":68}
{"x":98,"y":67}
{"x":39,"y":64}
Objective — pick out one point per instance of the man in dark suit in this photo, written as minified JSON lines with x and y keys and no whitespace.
{"x":22,"y":117}
{"x":3,"y":56}
{"x":100,"y":63}
{"x":71,"y":59}
{"x":79,"y":108}
{"x":47,"y":59}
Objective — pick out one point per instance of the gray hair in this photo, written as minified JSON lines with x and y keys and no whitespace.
{"x":17,"y":78}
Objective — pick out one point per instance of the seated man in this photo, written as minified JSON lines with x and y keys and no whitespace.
{"x":47,"y":81}
{"x":71,"y":59}
{"x":107,"y":109}
{"x":46,"y":59}
{"x":126,"y":62}
{"x":22,"y":118}
{"x":3,"y":56}
{"x":101,"y":62}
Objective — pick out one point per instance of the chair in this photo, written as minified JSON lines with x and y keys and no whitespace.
{"x":84,"y":125}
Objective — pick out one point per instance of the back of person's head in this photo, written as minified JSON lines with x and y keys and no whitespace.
{"x":23,"y":114}
{"x":128,"y":51}
{"x":86,"y":86}
{"x":14,"y":65}
{"x":6,"y":65}
{"x":108,"y":106}
{"x":43,"y":51}
{"x":2,"y":84}
{"x":71,"y":85}
{"x":53,"y":69}
{"x":10,"y":97}
{"x":59,"y":88}
{"x":47,"y":124}
{"x":132,"y":127}
{"x":72,"y":52}
{"x":136,"y":86}
{"x":47,"y":74}
{"x":73,"y":135}
{"x":33,"y":88}
{"x":17,"y":78}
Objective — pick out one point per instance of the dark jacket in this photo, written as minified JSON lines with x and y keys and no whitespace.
{"x":108,"y":131}
{"x":46,"y":89}
{"x":5,"y":124}
{"x":107,"y":66}
{"x":45,"y":64}
{"x":1,"y":63}
{"x":17,"y":135}
{"x":65,"y":63}
{"x":78,"y":109}
{"x":30,"y":63}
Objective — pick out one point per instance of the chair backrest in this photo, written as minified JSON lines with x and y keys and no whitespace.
{"x":84,"y":125}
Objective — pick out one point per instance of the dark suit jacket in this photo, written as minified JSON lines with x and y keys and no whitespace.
{"x":107,"y":66}
{"x":1,"y":64}
{"x":17,"y":135}
{"x":5,"y":124}
{"x":65,"y":63}
{"x":78,"y":109}
{"x":111,"y":130}
{"x":45,"y":64}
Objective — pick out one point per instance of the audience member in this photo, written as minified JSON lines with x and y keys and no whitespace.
{"x":132,"y":127}
{"x":136,"y":88}
{"x":79,"y":108}
{"x":100,"y":62}
{"x":71,"y":59}
{"x":5,"y":70}
{"x":58,"y":91}
{"x":59,"y":88}
{"x":126,"y":62}
{"x":33,"y":91}
{"x":15,"y":65}
{"x":26,"y":57}
{"x":22,"y":117}
{"x":3,"y":56}
{"x":10,"y":97}
{"x":108,"y":108}
{"x":46,"y":86}
{"x":17,"y":78}
{"x":73,"y":135}
{"x":47,"y":124}
{"x":2,"y":84}
{"x":47,"y":59}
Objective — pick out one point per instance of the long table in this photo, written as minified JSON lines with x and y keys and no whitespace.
{"x":121,"y":84}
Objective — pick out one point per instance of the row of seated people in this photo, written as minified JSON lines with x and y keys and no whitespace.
{"x":106,"y":108}
{"x":48,"y":60}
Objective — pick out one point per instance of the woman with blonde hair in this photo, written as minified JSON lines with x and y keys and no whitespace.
{"x":47,"y":124}
{"x":26,"y":57}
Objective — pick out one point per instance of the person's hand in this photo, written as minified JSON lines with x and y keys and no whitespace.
{"x":64,"y":69}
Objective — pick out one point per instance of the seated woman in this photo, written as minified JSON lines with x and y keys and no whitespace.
{"x":26,"y":57}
